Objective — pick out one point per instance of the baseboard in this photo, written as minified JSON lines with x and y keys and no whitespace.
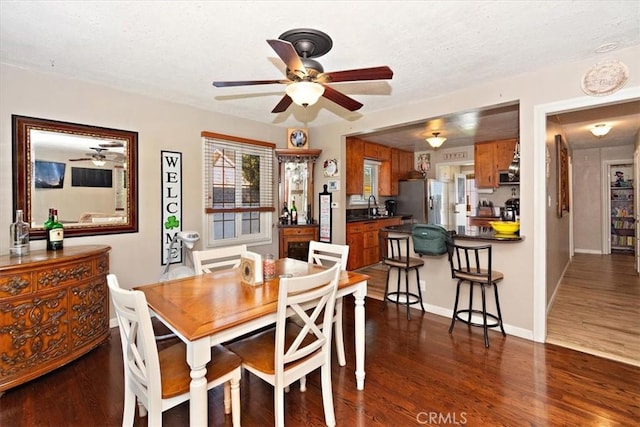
{"x":588,"y":251}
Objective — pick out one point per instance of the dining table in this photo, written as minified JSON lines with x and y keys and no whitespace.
{"x":217,"y":307}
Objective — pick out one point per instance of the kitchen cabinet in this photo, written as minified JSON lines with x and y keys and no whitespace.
{"x":362,"y":238}
{"x":355,"y":242}
{"x":376,"y":151}
{"x":490,"y":158}
{"x":401,"y":167}
{"x":355,"y":166}
{"x":54,"y":308}
{"x":385,"y":174}
{"x":622,"y":219}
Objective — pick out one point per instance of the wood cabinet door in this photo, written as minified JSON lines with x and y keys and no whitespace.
{"x":355,"y":166}
{"x":35,"y":334}
{"x":504,"y":151}
{"x":384,"y":177}
{"x":354,"y":240}
{"x":89,"y":306}
{"x":485,"y":172}
{"x":371,"y":150}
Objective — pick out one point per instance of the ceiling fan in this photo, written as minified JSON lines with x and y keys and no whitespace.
{"x":306,"y":80}
{"x":98,"y":158}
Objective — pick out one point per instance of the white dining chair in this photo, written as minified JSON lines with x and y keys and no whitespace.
{"x":328,"y":254}
{"x":160,"y":379}
{"x":209,"y":260}
{"x":285,"y":354}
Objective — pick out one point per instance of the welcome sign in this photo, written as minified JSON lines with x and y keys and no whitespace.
{"x":171,"y":179}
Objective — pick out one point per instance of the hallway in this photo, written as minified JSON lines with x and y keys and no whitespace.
{"x":597,"y":308}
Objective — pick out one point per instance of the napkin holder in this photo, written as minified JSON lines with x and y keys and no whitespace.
{"x":251,"y":268}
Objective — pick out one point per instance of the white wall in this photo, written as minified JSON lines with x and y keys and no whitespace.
{"x":135,"y":257}
{"x":588,"y":210}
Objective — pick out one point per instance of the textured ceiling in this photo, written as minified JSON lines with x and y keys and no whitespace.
{"x":174,"y":50}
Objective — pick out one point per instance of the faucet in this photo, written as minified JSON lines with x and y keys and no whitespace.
{"x":375,"y":202}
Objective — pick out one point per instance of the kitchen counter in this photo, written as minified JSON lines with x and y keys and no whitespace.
{"x":463,"y":233}
{"x":371,"y":218}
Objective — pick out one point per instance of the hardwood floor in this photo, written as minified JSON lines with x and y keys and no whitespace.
{"x":417,"y":374}
{"x":597,"y":308}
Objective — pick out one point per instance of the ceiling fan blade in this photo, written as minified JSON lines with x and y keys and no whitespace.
{"x":373,"y":73}
{"x":112,"y":144}
{"x":288,"y":54}
{"x":341,"y":99}
{"x":283,"y":104}
{"x":78,"y":160}
{"x":248,"y":83}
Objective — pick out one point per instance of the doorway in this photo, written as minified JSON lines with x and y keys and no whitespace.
{"x":620,"y":223}
{"x":541,"y":200}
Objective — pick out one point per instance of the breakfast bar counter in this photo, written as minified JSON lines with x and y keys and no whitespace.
{"x":463,"y":233}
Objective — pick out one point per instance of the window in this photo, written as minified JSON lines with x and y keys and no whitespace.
{"x":238,"y":190}
{"x":370,"y":182}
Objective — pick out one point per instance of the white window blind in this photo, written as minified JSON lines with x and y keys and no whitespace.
{"x":238,"y":189}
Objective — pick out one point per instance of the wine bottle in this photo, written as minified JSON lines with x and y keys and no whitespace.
{"x":47,"y":223}
{"x":285,"y":214}
{"x":294,"y":212}
{"x":19,"y":236}
{"x":54,"y":231}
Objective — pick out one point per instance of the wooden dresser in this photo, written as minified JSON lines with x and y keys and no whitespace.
{"x":54,"y":307}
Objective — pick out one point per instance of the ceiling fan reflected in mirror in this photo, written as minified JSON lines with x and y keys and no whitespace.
{"x":98,"y":158}
{"x":306,"y":80}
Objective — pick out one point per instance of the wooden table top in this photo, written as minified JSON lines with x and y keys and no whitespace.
{"x":201,"y":306}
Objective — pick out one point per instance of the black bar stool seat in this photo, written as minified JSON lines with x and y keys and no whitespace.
{"x":472,"y":265}
{"x":394,"y":252}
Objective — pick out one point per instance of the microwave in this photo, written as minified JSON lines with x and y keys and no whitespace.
{"x":505,"y":179}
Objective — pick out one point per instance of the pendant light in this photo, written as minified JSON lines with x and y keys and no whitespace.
{"x":436,"y":141}
{"x":514,"y":167}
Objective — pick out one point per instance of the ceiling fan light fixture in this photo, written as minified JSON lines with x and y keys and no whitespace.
{"x":98,"y":162}
{"x":436,"y":141}
{"x":305,"y":93}
{"x":600,"y":130}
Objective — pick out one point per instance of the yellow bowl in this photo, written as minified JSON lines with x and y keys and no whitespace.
{"x":505,"y":227}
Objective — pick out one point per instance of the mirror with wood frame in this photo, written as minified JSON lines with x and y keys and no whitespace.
{"x":296,"y":180}
{"x":88,"y":173}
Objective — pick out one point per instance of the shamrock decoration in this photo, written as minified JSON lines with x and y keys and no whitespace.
{"x":171,"y":223}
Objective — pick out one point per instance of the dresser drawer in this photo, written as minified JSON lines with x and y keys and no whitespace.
{"x":16,"y":284}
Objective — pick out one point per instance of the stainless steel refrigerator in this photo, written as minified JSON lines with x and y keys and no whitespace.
{"x":426,"y":200}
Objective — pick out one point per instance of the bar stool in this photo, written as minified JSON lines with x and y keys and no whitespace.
{"x":394,"y":252}
{"x":468,"y":265}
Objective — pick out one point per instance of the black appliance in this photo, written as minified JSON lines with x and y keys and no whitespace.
{"x":390,"y":206}
{"x":513,"y":204}
{"x":505,"y":178}
{"x":508,"y":214}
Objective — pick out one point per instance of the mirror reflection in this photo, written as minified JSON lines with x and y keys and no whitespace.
{"x":296,"y":181}
{"x":87,"y":173}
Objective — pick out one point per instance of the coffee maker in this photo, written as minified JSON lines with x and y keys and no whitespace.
{"x":511,"y":210}
{"x":390,"y":206}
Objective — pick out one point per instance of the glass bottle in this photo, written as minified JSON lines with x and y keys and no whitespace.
{"x":47,"y":223}
{"x":19,"y":240}
{"x":285,"y":214}
{"x":54,"y":232}
{"x":294,"y":213}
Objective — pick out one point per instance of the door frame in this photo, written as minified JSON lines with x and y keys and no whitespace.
{"x":606,"y":201}
{"x":540,"y":113}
